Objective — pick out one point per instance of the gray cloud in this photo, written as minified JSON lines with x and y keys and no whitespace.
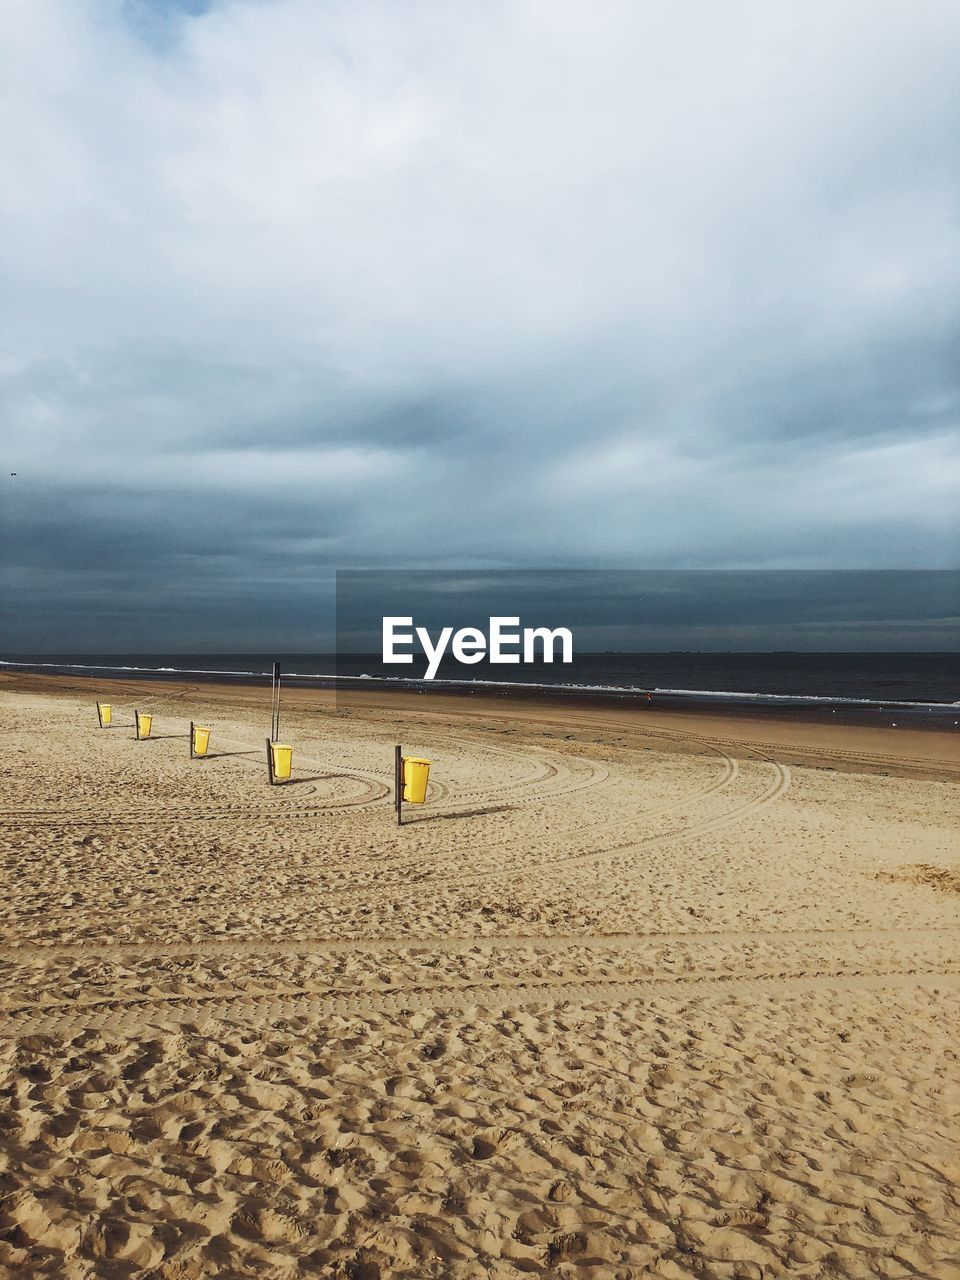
{"x":647,"y":610}
{"x":293,"y":286}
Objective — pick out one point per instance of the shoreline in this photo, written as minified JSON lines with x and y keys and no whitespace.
{"x":830,"y":742}
{"x":928,"y":713}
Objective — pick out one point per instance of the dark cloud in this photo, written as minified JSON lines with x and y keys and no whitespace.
{"x":291,"y":287}
{"x":660,"y":610}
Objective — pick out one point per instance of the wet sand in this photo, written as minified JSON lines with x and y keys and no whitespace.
{"x":633,"y":994}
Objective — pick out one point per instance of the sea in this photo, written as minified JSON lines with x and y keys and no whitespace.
{"x":915,"y":687}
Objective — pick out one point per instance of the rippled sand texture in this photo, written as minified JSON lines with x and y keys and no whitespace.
{"x":625,"y":998}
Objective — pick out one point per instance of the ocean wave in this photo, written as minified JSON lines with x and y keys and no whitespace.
{"x":562,"y":687}
{"x":113,"y":666}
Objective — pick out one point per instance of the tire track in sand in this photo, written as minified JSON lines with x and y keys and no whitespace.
{"x":169,"y":1011}
{"x":210,"y":946}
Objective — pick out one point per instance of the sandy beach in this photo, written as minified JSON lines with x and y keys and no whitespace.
{"x":633,"y":994}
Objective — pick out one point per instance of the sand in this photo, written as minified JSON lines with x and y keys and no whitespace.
{"x":632,"y":995}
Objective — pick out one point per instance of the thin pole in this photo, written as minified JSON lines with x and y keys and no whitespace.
{"x":275,"y":704}
{"x":398,"y":783}
{"x":191,"y":739}
{"x":273,"y":699}
{"x":136,"y":722}
{"x":269,"y":762}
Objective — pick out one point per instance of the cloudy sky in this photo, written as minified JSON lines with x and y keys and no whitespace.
{"x":293,"y":285}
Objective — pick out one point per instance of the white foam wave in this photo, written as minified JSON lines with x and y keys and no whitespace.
{"x":568,"y":687}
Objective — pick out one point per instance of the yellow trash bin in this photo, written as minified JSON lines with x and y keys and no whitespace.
{"x":201,"y":740}
{"x":416,"y":774}
{"x":282,"y":757}
{"x":105,"y":712}
{"x":144,"y":724}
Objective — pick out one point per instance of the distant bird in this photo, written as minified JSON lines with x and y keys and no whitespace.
{"x":13,"y":473}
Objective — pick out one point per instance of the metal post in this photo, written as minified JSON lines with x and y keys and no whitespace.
{"x":276,"y":732}
{"x":269,"y":763}
{"x":136,"y":723}
{"x":191,"y":739}
{"x":275,"y":703}
{"x":398,"y":783}
{"x":99,"y":715}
